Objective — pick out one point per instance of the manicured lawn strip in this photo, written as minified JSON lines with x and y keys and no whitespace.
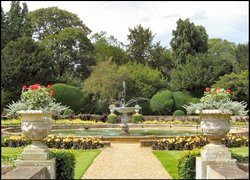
{"x":243,"y":151}
{"x":84,"y":158}
{"x":169,"y":159}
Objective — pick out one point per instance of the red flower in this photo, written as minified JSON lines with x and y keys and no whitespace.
{"x":228,"y":90}
{"x":49,"y":86}
{"x":217,"y":89}
{"x":207,"y":89}
{"x":51,"y":92}
{"x":24,"y":87}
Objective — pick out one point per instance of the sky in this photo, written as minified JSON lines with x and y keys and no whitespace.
{"x":227,"y":20}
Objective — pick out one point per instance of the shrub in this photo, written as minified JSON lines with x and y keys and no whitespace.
{"x":136,"y":118}
{"x":179,"y":113}
{"x":71,"y":96}
{"x":68,"y":112}
{"x":186,"y":164}
{"x":65,"y":164}
{"x":15,"y":141}
{"x":180,"y":99}
{"x":102,"y":106}
{"x":145,"y":108}
{"x":162,"y":102}
{"x":112,"y":118}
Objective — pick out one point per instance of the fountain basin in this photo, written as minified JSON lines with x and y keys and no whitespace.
{"x":125,"y":109}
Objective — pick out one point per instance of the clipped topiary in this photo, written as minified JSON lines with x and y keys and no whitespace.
{"x":182,"y":98}
{"x":179,"y":113}
{"x":68,"y":112}
{"x":162,"y":102}
{"x":112,"y":118}
{"x":71,"y":96}
{"x":136,"y":118}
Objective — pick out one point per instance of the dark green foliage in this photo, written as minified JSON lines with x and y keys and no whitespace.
{"x":188,"y":40}
{"x":186,"y":164}
{"x":24,"y":62}
{"x":162,"y":102}
{"x":112,"y":118}
{"x":102,"y":106}
{"x":136,"y":118}
{"x":65,"y":164}
{"x":242,"y":58}
{"x":179,"y":113}
{"x":180,"y":99}
{"x":15,"y":23}
{"x":68,"y":112}
{"x":140,"y":43}
{"x":52,"y":20}
{"x":208,"y":69}
{"x":145,"y":108}
{"x":71,"y":96}
{"x":237,"y":83}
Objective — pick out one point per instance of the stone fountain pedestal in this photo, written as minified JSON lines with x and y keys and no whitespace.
{"x":124,"y":125}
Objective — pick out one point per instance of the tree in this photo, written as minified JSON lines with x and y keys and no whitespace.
{"x":200,"y":71}
{"x":72,"y":52}
{"x":108,"y":47}
{"x":140,"y":43}
{"x":237,"y":83}
{"x":223,"y":49}
{"x":242,"y":58}
{"x":105,"y":82}
{"x":24,"y":62}
{"x":15,"y":23}
{"x":188,"y":39}
{"x":161,"y":59}
{"x":52,"y":20}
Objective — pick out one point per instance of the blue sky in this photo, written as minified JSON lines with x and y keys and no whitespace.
{"x":222,"y":19}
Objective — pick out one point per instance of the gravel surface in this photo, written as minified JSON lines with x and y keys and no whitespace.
{"x":126,"y":161}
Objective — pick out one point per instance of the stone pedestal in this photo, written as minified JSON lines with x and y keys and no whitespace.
{"x":213,"y":155}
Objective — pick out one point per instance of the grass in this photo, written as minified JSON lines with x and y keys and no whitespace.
{"x":84,"y":158}
{"x":169,"y":159}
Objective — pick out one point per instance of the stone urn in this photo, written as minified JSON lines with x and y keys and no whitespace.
{"x":36,"y":126}
{"x":214,"y":125}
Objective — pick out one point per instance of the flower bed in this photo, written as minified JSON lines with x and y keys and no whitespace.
{"x":52,"y":141}
{"x":192,"y":142}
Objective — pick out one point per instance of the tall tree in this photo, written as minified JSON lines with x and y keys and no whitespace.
{"x":52,"y":20}
{"x":200,"y":71}
{"x":188,"y":39}
{"x":140,"y":42}
{"x":24,"y":62}
{"x":108,"y":47}
{"x":15,"y":23}
{"x":242,"y":58}
{"x":161,"y":59}
{"x":72,"y":52}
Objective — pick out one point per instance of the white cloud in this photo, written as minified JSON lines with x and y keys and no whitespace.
{"x":220,"y":18}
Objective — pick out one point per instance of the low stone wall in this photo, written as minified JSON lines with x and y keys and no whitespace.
{"x":27,"y":172}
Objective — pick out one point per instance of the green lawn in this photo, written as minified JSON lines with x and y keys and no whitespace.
{"x":83,"y":158}
{"x":169,"y":159}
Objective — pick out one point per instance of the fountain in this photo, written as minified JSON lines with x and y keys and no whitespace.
{"x":124,"y":110}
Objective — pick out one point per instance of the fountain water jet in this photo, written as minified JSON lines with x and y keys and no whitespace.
{"x":124,"y":110}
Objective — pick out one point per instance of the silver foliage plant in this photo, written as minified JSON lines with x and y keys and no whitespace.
{"x":217,"y":99}
{"x":36,"y":97}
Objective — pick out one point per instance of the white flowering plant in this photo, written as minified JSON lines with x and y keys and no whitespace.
{"x":217,"y":98}
{"x":36,"y":97}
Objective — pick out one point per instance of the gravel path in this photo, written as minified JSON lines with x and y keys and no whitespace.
{"x":126,"y":161}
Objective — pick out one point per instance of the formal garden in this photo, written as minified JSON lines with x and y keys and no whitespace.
{"x":68,"y":97}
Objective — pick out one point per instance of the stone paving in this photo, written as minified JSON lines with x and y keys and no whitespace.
{"x":126,"y":161}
